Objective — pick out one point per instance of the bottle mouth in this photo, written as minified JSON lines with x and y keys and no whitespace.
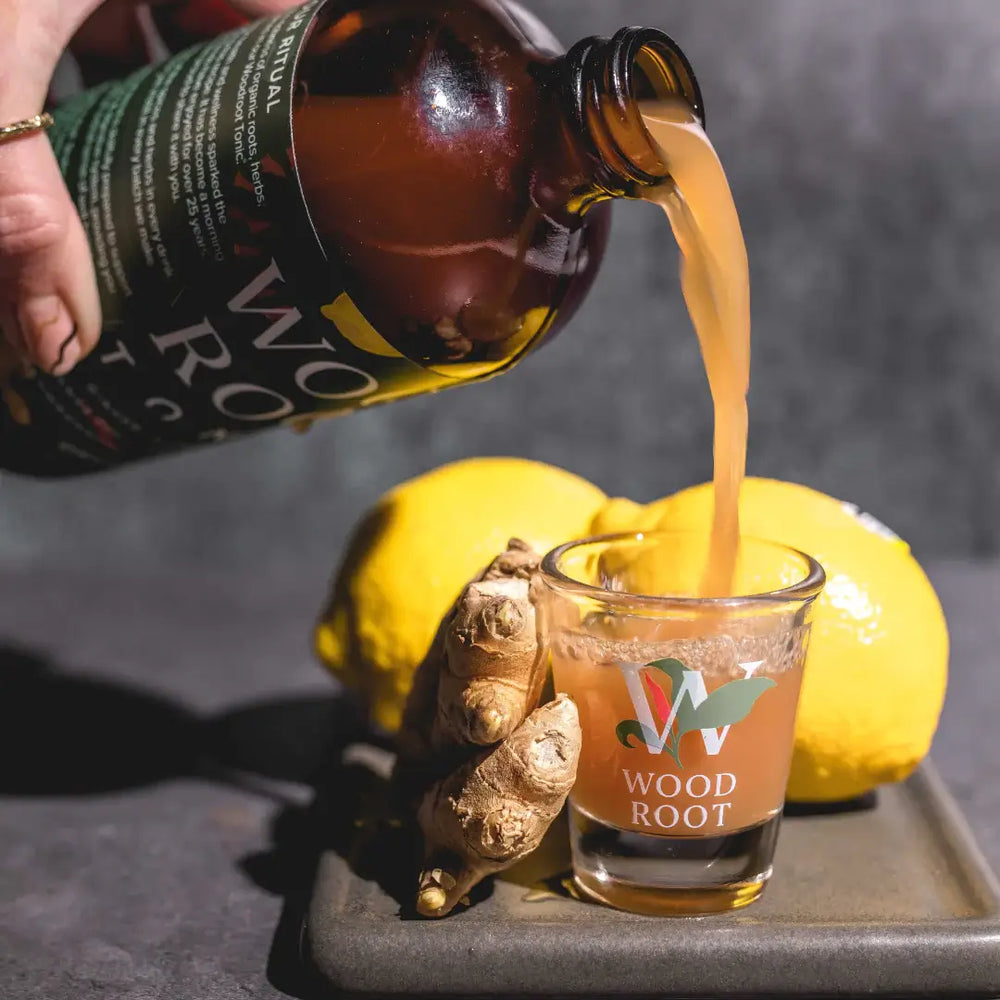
{"x":647,"y":65}
{"x":614,"y":76}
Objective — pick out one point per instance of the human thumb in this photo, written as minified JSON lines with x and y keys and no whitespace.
{"x":49,"y":306}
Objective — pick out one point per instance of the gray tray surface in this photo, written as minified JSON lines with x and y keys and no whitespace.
{"x":894,"y":899}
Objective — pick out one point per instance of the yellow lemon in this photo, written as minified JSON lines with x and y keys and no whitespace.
{"x":877,"y":664}
{"x":674,"y":565}
{"x":620,"y":514}
{"x":415,"y":550}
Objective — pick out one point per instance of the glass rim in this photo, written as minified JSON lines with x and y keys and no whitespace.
{"x":806,"y":589}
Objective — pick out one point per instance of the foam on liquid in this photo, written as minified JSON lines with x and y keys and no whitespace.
{"x":716,"y":282}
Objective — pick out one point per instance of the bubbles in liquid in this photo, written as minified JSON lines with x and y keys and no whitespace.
{"x":725,"y":655}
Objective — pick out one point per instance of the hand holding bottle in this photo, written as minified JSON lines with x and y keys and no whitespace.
{"x":332,"y":207}
{"x":49,"y":307}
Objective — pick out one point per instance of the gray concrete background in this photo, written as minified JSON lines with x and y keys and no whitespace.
{"x":862,"y":139}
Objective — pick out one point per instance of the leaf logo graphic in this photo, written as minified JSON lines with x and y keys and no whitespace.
{"x":688,"y":707}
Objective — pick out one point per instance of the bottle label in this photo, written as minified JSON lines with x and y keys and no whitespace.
{"x":222,"y":312}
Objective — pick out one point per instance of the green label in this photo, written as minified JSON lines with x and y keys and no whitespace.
{"x":222,"y":312}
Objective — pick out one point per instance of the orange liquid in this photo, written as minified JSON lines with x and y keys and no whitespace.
{"x":725,"y":779}
{"x":716,"y":281}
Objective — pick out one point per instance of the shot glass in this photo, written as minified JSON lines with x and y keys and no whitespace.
{"x":687,"y":707}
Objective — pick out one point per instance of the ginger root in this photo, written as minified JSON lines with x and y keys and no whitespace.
{"x":495,"y":809}
{"x":486,"y":769}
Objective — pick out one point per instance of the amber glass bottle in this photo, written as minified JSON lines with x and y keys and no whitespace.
{"x":336,"y":207}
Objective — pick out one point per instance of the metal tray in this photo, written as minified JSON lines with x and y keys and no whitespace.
{"x":889,"y":898}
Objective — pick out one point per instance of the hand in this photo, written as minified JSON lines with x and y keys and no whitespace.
{"x":486,"y":769}
{"x":50,"y":312}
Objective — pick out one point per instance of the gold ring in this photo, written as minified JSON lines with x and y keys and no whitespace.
{"x":22,"y":129}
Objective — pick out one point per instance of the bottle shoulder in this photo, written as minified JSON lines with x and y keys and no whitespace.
{"x":438,"y":166}
{"x":472,"y":77}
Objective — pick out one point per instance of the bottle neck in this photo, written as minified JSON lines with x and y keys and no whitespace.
{"x":606,"y":79}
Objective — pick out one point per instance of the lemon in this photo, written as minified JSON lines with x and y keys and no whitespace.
{"x":674,"y":565}
{"x":619,"y":514}
{"x":876,"y":670}
{"x":415,"y":550}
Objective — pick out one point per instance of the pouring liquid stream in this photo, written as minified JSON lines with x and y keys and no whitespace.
{"x":715,"y":279}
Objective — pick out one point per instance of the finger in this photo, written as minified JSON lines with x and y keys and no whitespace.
{"x":111,"y":42}
{"x":495,"y":810}
{"x":183,"y":24}
{"x":47,"y":283}
{"x":205,"y":18}
{"x":48,"y":300}
{"x":261,"y":8}
{"x":113,"y":36}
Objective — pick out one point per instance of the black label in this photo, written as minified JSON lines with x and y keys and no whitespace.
{"x":222,"y":313}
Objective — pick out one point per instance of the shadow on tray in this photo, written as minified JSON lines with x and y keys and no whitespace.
{"x":69,"y":734}
{"x":301,"y":834}
{"x":349,"y":815}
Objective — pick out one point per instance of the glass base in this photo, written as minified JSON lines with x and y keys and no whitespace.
{"x":671,"y":876}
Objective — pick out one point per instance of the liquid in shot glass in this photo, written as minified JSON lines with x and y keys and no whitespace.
{"x":687,"y":706}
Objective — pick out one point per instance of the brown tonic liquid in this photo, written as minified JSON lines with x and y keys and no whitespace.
{"x":727,"y":778}
{"x":670,"y":822}
{"x":716,"y":282}
{"x":437,"y":165}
